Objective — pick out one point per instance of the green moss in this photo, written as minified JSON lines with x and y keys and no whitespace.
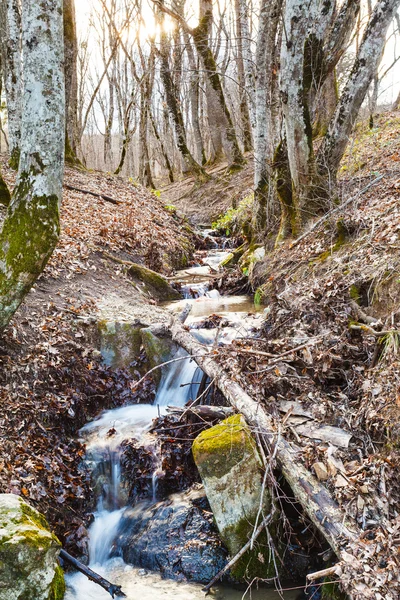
{"x":57,"y":588}
{"x":354,"y":293}
{"x":237,"y":221}
{"x":283,"y":182}
{"x":154,"y":282}
{"x":258,"y":296}
{"x":14,"y":159}
{"x":230,"y":439}
{"x":257,"y":562}
{"x":31,"y":233}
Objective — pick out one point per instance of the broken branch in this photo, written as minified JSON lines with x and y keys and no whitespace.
{"x":111,"y":588}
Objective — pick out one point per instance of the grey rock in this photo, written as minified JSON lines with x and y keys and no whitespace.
{"x":176,"y":537}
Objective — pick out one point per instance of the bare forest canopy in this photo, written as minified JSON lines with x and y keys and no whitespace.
{"x":162,"y":88}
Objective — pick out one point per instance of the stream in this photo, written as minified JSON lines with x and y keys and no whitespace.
{"x":179,"y":383}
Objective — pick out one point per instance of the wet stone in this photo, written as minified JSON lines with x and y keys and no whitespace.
{"x":176,"y":537}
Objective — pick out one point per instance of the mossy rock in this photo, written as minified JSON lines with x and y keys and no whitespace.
{"x":233,"y":257}
{"x":231,"y":470}
{"x":159,"y":349}
{"x":119,"y":343}
{"x":28,"y":554}
{"x":254,"y":253}
{"x":155,"y":284}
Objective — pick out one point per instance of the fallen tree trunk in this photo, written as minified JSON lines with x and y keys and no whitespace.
{"x":342,"y":536}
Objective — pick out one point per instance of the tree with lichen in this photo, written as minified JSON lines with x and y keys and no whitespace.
{"x":12,"y":73}
{"x":315,"y":37}
{"x":31,"y":227}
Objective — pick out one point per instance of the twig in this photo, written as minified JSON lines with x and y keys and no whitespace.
{"x":372,"y":331}
{"x":334,"y":210}
{"x":278,"y":357}
{"x":234,"y":560}
{"x":111,"y":588}
{"x":323,"y":573}
{"x":194,"y":275}
{"x":95,"y":194}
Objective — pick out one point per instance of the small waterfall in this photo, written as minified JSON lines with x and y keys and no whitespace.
{"x":180,"y":381}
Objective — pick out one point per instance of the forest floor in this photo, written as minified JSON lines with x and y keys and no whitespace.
{"x":332,"y":326}
{"x":51,"y":379}
{"x":203,"y":204}
{"x":329,"y":352}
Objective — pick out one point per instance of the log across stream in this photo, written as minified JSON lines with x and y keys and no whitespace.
{"x":179,"y":383}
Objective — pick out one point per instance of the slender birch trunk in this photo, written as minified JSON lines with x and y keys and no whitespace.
{"x":248,"y":61}
{"x":12,"y":64}
{"x":244,"y":101}
{"x":31,"y":228}
{"x":265,"y":84}
{"x":194,"y":100}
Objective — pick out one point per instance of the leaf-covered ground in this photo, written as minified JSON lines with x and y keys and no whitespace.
{"x":51,"y":378}
{"x":329,"y":352}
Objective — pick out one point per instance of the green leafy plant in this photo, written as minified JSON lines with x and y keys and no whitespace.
{"x":236,"y":221}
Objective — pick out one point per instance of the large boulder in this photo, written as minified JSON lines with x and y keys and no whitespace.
{"x":28,"y":554}
{"x":176,"y":537}
{"x":231,"y":470}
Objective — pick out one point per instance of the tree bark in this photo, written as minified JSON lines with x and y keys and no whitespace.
{"x":245,"y":99}
{"x":31,"y":227}
{"x":265,"y":91}
{"x":71,"y":83}
{"x":171,"y":95}
{"x":365,"y":66}
{"x":194,"y":101}
{"x":294,"y":103}
{"x":12,"y":69}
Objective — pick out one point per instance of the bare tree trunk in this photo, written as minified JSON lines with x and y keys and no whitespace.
{"x":365,"y":66}
{"x":175,"y":111}
{"x":294,"y":102}
{"x":163,"y":150}
{"x":12,"y":69}
{"x":244,"y":103}
{"x":266,"y":83}
{"x":145,"y":175}
{"x":71,"y":82}
{"x":31,"y":228}
{"x":249,"y":67}
{"x":313,"y":42}
{"x":194,"y":101}
{"x":200,"y":38}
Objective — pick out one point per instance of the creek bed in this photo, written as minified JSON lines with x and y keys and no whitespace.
{"x":179,"y":383}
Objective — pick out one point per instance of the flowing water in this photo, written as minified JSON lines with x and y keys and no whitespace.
{"x":179,"y":382}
